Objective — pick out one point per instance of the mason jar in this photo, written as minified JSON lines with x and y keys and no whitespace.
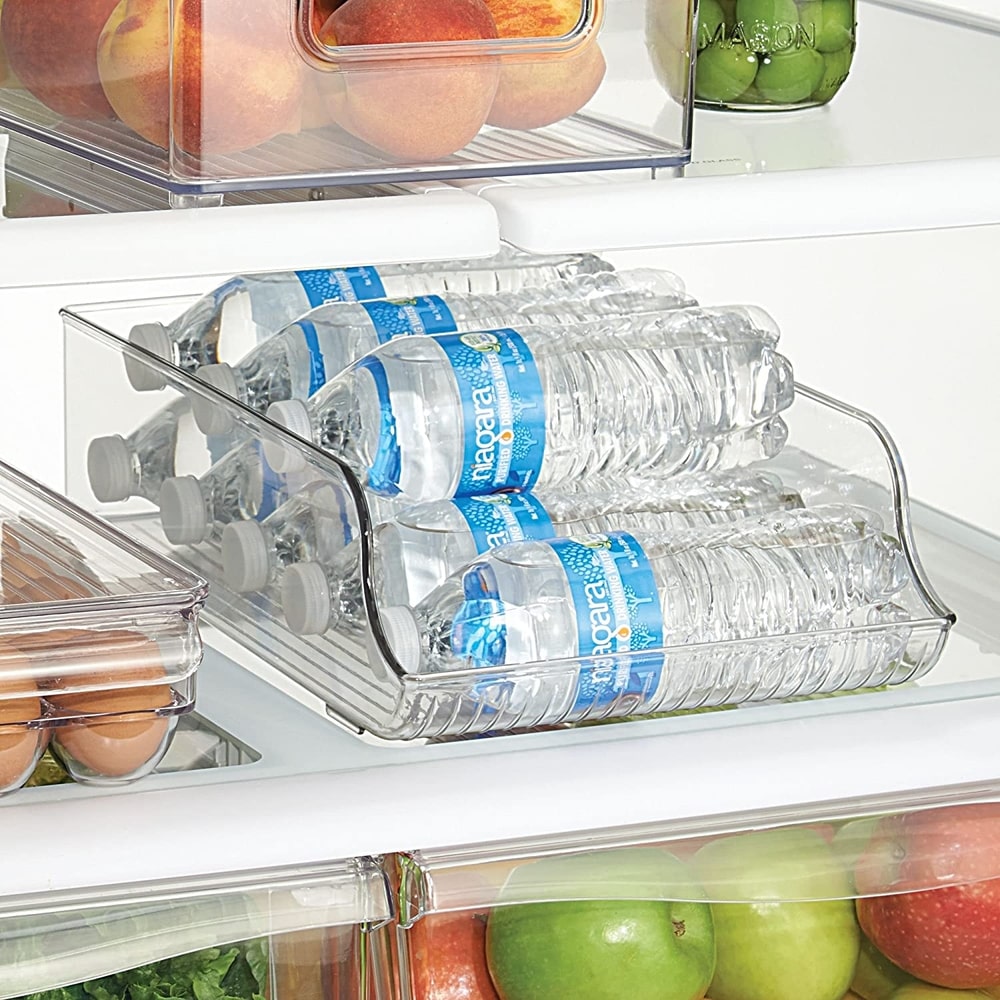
{"x":769,"y":55}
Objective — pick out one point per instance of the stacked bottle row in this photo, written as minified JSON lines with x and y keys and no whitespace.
{"x":558,"y":469}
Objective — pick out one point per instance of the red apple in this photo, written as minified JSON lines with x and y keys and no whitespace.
{"x":931,"y":887}
{"x":448,"y":957}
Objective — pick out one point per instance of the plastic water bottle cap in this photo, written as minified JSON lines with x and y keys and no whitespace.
{"x":400,"y":627}
{"x":182,"y":510}
{"x":210,"y":415}
{"x":109,"y":468}
{"x":305,"y":599}
{"x":152,"y":337}
{"x":293,"y":415}
{"x":244,"y":556}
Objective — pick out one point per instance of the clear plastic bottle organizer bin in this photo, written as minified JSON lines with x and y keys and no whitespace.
{"x":858,"y":900}
{"x":834,"y":453}
{"x":294,"y":933}
{"x":99,"y":642}
{"x":208,"y":96}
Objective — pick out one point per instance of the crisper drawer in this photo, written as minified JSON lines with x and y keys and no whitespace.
{"x":833,"y":453}
{"x":213,"y":95}
{"x":875,"y":900}
{"x":294,"y":933}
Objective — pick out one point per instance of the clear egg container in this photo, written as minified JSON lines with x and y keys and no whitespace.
{"x":834,"y":453}
{"x":99,"y":641}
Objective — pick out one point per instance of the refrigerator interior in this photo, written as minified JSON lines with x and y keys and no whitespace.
{"x":885,"y":301}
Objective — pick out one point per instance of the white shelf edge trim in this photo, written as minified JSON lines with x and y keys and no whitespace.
{"x":236,"y":239}
{"x":791,"y":204}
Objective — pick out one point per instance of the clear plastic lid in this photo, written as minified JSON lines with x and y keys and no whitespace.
{"x":91,"y":622}
{"x":878,"y":848}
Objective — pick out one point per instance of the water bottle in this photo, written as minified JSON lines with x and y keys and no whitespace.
{"x":137,"y":465}
{"x":316,"y":524}
{"x":231,"y":319}
{"x":434,"y":417}
{"x":298,"y":361}
{"x":617,"y":598}
{"x":420,"y":546}
{"x":425,"y":543}
{"x":239,"y":485}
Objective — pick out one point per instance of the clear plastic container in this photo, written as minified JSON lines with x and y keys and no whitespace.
{"x":863,"y":900}
{"x":208,"y":96}
{"x":295,"y":933}
{"x":834,"y":454}
{"x":99,"y":642}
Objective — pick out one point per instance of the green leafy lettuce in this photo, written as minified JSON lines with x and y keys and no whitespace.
{"x":235,"y":973}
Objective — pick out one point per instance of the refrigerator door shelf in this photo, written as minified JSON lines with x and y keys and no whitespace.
{"x":833,"y":454}
{"x":867,"y":162}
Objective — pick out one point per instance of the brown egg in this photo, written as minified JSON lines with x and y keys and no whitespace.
{"x":122,"y":738}
{"x":19,"y":745}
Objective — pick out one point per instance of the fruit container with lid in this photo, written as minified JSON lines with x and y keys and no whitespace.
{"x":356,"y":664}
{"x":890,"y":898}
{"x":201,"y":97}
{"x":99,"y":641}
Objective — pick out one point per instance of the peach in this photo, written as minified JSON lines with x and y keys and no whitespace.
{"x":539,"y":88}
{"x":546,"y":88}
{"x":51,"y":47}
{"x":237,"y":79}
{"x":7,"y":77}
{"x":414,"y":107}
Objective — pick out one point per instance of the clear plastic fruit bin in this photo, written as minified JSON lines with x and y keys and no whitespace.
{"x":295,"y":933}
{"x":857,"y":901}
{"x":834,"y":453}
{"x":99,"y":642}
{"x":208,"y":96}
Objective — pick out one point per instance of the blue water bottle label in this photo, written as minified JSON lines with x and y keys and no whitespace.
{"x":341,"y":284}
{"x":479,"y":628}
{"x":317,"y":366}
{"x":503,"y":411}
{"x":504,"y":517}
{"x":384,"y":472}
{"x":402,"y":317}
{"x":617,"y":610}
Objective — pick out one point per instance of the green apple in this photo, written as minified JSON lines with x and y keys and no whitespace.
{"x":851,"y":839}
{"x":876,"y":978}
{"x":623,"y":923}
{"x":924,"y":991}
{"x":788,"y":930}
